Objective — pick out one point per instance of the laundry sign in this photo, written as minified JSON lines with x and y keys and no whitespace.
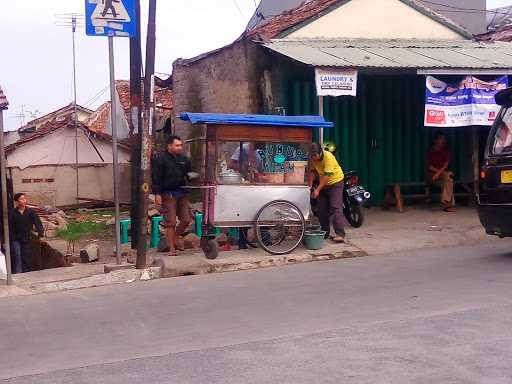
{"x":466,"y":103}
{"x":336,"y":82}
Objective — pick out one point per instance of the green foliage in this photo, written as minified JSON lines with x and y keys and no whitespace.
{"x":75,"y":231}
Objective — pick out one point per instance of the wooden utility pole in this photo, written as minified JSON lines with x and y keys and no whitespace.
{"x":145,"y":163}
{"x":135,"y":122}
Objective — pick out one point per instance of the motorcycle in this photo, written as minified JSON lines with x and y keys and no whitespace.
{"x":354,"y":197}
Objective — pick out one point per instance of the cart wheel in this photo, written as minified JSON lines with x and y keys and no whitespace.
{"x":280,"y":227}
{"x":210,"y":248}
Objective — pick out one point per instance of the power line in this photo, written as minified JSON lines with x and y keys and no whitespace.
{"x":462,"y":9}
{"x":239,"y":10}
{"x":93,"y":99}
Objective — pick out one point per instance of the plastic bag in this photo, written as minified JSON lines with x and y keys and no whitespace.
{"x":3,"y":266}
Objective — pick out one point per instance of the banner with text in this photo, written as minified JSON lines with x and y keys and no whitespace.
{"x":470,"y":102}
{"x":336,"y":82}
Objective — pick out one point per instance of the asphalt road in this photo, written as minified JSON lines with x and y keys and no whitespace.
{"x":435,"y":316}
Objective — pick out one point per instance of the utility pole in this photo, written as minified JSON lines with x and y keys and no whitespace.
{"x":73,"y":20}
{"x":4,"y":104}
{"x":113,"y":119}
{"x":135,"y":121}
{"x":75,"y":118}
{"x":145,"y":163}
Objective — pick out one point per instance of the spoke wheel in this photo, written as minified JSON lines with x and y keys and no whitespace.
{"x":280,"y":227}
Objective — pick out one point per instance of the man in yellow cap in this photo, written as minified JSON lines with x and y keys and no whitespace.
{"x":329,"y":191}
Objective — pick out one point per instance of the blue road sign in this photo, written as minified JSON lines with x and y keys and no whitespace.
{"x":110,"y":18}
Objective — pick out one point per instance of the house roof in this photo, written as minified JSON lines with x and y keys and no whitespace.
{"x":98,"y":121}
{"x":66,"y":121}
{"x":3,"y":100}
{"x":281,"y":25}
{"x":502,"y":34}
{"x":64,"y":110}
{"x":412,"y":54}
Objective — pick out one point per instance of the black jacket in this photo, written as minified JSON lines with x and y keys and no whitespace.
{"x":170,"y":172}
{"x":23,"y":224}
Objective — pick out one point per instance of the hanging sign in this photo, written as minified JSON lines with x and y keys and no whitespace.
{"x":336,"y":82}
{"x":469,"y":102}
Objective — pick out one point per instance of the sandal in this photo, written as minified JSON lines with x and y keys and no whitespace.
{"x":338,"y":239}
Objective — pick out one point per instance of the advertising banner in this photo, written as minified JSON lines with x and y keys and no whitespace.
{"x":470,"y":102}
{"x":336,"y":82}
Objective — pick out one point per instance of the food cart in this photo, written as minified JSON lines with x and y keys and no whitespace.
{"x":256,"y":176}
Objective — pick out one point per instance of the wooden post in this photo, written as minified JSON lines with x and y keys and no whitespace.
{"x":145,"y":163}
{"x":135,"y":122}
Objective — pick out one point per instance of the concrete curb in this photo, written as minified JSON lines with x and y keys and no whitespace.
{"x":198,"y":265}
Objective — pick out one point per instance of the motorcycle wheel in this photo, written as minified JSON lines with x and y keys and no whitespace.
{"x":354,"y":215}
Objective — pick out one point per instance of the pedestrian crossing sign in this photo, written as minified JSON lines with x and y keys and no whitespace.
{"x":110,"y":18}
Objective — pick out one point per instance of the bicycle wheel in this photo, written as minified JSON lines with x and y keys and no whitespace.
{"x":280,"y":227}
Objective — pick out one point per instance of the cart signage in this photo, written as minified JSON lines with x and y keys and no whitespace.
{"x":280,"y":158}
{"x":469,"y":102}
{"x":336,"y":82}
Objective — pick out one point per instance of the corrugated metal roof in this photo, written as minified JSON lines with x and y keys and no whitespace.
{"x":266,"y":120}
{"x":415,"y":54}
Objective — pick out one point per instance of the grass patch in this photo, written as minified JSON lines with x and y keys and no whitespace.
{"x":75,"y":231}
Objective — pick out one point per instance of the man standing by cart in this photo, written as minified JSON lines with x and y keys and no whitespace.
{"x":170,"y":175}
{"x":329,"y":191}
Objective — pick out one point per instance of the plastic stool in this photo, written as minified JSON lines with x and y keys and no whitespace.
{"x":124,"y":227}
{"x":234,"y":233}
{"x":198,"y":224}
{"x":155,"y":231}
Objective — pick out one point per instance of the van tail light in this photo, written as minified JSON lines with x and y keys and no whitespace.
{"x":483,"y":174}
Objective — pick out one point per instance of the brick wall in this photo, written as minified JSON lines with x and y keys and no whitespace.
{"x":226,"y":81}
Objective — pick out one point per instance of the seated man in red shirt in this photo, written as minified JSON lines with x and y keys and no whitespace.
{"x":438,"y":160}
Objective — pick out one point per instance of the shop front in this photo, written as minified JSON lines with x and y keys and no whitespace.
{"x":383,"y":131}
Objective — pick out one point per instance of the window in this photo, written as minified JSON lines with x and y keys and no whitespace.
{"x":262,"y":163}
{"x":503,"y":139}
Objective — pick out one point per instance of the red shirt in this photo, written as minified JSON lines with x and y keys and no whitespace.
{"x":438,"y":159}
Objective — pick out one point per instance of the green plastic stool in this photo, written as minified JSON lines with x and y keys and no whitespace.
{"x":124,"y":227}
{"x":198,"y":224}
{"x":155,"y":231}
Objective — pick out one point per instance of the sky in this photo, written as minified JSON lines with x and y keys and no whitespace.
{"x":36,"y":53}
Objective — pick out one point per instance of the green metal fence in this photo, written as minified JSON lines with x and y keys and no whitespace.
{"x":380,"y":132}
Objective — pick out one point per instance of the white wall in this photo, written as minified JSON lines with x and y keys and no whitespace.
{"x":95,"y":182}
{"x":58,"y":148}
{"x":371,"y":19}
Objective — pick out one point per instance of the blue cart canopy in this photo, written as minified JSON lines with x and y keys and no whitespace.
{"x":265,"y":120}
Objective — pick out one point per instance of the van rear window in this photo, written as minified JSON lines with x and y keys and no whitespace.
{"x":503,"y":138}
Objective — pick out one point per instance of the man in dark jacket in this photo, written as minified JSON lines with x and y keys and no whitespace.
{"x":170,"y":174}
{"x":23,"y":221}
